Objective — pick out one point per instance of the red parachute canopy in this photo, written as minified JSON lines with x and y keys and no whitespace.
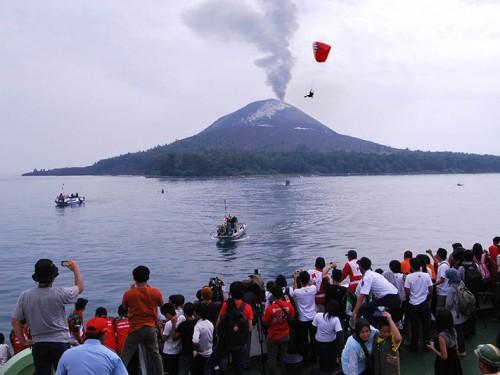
{"x":321,"y":51}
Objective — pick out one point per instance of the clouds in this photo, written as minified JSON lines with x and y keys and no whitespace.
{"x":267,"y":25}
{"x":126,"y":76}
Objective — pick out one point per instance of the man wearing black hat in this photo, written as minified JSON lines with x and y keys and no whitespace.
{"x":43,"y":309}
{"x":383,"y":294}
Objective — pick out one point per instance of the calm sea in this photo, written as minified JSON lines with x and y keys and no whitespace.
{"x":126,"y":222}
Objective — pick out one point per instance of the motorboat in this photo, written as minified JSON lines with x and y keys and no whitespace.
{"x":230,"y":229}
{"x":287,"y":182}
{"x":72,"y":199}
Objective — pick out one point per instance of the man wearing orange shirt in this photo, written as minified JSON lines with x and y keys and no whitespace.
{"x":142,"y":302}
{"x":493,"y":251}
{"x":405,"y":264}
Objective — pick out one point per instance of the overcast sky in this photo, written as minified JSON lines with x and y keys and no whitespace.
{"x":82,"y":80}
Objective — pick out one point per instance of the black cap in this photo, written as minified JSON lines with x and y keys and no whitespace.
{"x":365,"y":263}
{"x":45,"y":271}
{"x":352,"y":254}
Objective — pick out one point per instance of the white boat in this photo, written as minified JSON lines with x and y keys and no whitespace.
{"x":72,"y":199}
{"x":230,"y":229}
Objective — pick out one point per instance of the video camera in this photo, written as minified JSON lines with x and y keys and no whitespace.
{"x":217,"y":286}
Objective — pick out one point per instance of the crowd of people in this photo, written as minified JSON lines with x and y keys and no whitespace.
{"x":348,"y":320}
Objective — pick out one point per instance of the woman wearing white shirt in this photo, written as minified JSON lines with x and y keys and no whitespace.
{"x":329,"y":337}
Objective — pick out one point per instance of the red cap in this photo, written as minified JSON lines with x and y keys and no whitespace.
{"x":97,"y":325}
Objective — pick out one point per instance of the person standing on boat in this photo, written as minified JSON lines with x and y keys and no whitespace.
{"x":142,"y":302}
{"x":383,"y":292}
{"x":43,"y":309}
{"x":92,"y":357}
{"x":441,"y":282}
{"x":304,"y":293}
{"x":75,"y":321}
{"x":351,"y":269}
{"x":317,"y":277}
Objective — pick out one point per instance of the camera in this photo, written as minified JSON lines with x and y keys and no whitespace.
{"x":217,"y":286}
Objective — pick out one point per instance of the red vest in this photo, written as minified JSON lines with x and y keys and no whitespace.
{"x":121,"y":329}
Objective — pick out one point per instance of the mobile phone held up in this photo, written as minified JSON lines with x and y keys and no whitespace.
{"x":65,"y":263}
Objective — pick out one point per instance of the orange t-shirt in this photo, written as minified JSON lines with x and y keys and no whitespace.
{"x":405,"y":266}
{"x":142,"y":305}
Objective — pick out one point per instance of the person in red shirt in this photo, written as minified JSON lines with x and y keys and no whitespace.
{"x":493,"y":251}
{"x":121,"y":327}
{"x":277,"y":318}
{"x":405,"y":264}
{"x":317,"y":276}
{"x":75,"y":321}
{"x":14,"y":340}
{"x":109,"y":339}
{"x":142,"y":302}
{"x":351,"y":269}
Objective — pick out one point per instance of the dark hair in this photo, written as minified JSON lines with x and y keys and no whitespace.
{"x":141,"y":274}
{"x":188,"y":309}
{"x":332,"y":309}
{"x":496,"y":240}
{"x":477,"y":249}
{"x":94,"y":335}
{"x":198,"y":295}
{"x":365,"y":263}
{"x":2,"y":338}
{"x":441,"y":253}
{"x":177,"y":300}
{"x":337,"y":275}
{"x":360,"y":324}
{"x":407,"y":254}
{"x":491,"y":369}
{"x":379,"y":270}
{"x":81,"y":303}
{"x":395,"y":266}
{"x":122,"y":311}
{"x":237,"y":289}
{"x":468,"y":255}
{"x":444,"y":320}
{"x":277,"y":291}
{"x":168,"y":308}
{"x":269,"y":285}
{"x":320,"y":262}
{"x":304,"y":277}
{"x":383,"y":322}
{"x":101,"y":311}
{"x":456,"y":245}
{"x":416,"y":264}
{"x":201,"y":309}
{"x":281,"y":281}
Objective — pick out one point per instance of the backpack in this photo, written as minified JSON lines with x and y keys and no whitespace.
{"x":466,"y":300}
{"x":473,"y":279}
{"x":233,"y":327}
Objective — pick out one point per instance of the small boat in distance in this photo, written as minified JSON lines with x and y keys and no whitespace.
{"x":459,"y":184}
{"x":287,"y":182}
{"x":72,"y":199}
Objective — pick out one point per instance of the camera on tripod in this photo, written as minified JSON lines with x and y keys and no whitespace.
{"x":217,"y":286}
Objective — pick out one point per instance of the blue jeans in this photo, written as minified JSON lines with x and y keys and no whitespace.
{"x":46,"y":356}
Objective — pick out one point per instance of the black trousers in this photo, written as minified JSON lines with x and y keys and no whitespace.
{"x":306,"y":344}
{"x":327,"y":356}
{"x":46,"y":356}
{"x":420,"y":316}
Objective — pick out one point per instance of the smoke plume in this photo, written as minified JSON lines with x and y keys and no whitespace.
{"x":266,"y":24}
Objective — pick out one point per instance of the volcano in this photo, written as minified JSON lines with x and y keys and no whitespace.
{"x":272,"y":125}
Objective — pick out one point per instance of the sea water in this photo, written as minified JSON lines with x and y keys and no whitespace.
{"x":127,"y":221}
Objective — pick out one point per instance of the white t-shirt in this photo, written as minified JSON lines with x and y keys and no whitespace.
{"x":377,"y":285}
{"x":5,"y":354}
{"x":442,"y":289}
{"x":316,"y":277}
{"x":418,"y":283}
{"x":203,"y":336}
{"x":304,"y":300}
{"x":327,"y":328}
{"x":172,"y":346}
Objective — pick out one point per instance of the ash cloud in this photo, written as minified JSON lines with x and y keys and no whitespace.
{"x":266,"y":24}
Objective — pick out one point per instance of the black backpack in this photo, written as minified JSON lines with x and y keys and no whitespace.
{"x":473,"y":279}
{"x":233,"y":327}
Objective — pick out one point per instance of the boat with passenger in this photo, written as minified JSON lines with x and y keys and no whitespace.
{"x":230,"y":229}
{"x":72,"y":199}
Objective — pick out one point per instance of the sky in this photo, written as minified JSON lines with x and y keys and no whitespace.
{"x":85,"y":80}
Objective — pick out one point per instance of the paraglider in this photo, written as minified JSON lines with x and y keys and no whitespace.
{"x":320,"y":51}
{"x":310,"y":95}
